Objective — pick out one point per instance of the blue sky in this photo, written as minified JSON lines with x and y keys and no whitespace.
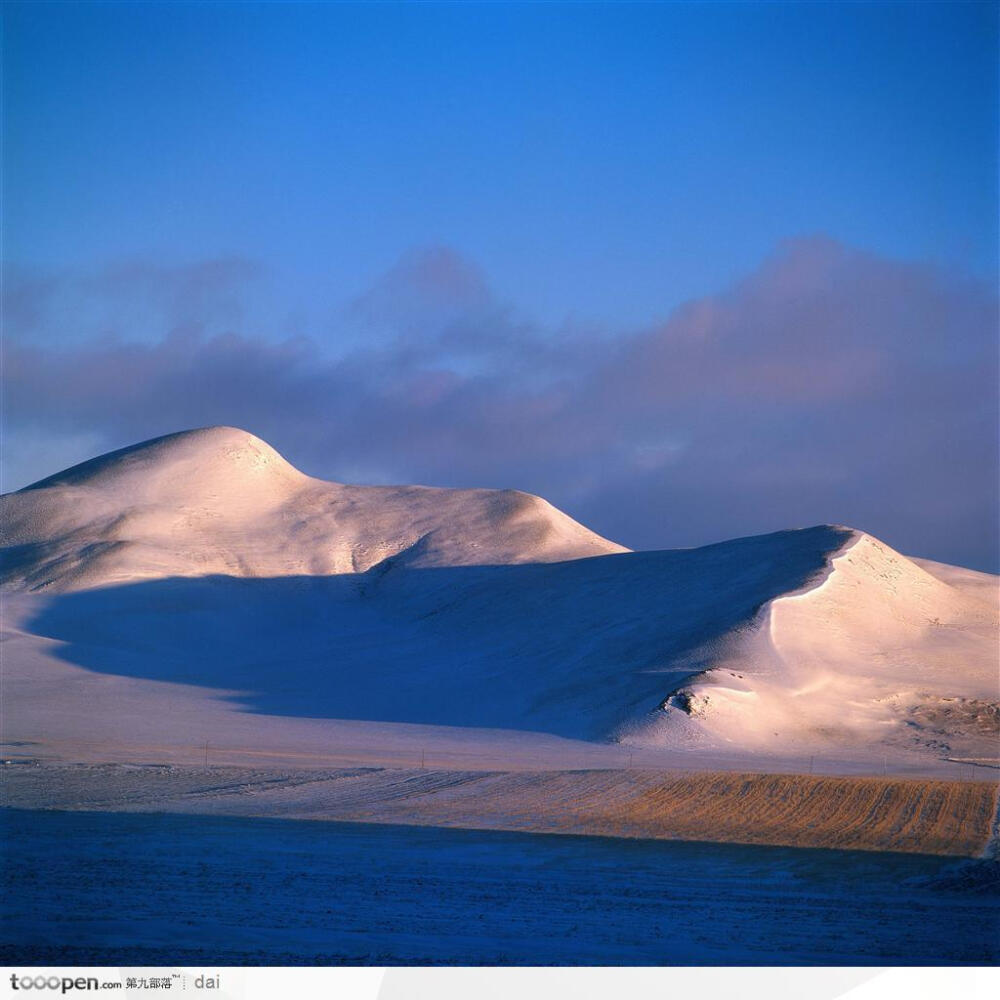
{"x":604,"y":161}
{"x":567,"y":177}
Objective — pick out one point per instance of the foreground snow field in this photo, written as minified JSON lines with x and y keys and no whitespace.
{"x":106,"y":889}
{"x":197,"y":590}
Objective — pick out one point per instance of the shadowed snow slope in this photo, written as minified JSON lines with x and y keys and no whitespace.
{"x":221,"y":501}
{"x":205,"y":560}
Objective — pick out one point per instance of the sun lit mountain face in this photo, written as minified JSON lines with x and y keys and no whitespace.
{"x":221,"y":501}
{"x":205,"y":558}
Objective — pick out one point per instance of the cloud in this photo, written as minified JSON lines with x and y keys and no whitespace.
{"x":425,"y":287}
{"x":145,"y":298}
{"x":828,"y":385}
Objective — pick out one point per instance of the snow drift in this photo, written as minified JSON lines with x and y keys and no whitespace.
{"x":876,"y":650}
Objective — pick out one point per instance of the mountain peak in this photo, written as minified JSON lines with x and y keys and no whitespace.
{"x":220,"y":501}
{"x":206,"y":451}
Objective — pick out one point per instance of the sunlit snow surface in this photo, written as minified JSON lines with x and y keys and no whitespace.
{"x":199,"y":588}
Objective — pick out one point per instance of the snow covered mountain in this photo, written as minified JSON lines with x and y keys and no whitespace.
{"x":221,"y":501}
{"x":204,"y":559}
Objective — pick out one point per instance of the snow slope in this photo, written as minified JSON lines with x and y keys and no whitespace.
{"x":221,"y":501}
{"x":880,"y":651}
{"x":198,"y":584}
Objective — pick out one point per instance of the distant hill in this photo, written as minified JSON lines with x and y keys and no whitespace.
{"x":221,"y":501}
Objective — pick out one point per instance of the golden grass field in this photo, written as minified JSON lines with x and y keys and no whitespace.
{"x":931,"y":817}
{"x":851,"y":813}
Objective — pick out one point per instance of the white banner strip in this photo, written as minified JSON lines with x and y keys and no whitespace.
{"x":505,"y":983}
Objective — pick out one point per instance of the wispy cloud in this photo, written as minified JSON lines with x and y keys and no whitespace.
{"x":828,"y":385}
{"x":141,"y":299}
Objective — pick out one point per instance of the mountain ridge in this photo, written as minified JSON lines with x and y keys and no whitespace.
{"x":220,"y":500}
{"x":205,"y":559}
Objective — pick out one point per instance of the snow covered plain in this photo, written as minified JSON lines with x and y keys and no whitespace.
{"x":908,"y":815}
{"x":114,"y":889}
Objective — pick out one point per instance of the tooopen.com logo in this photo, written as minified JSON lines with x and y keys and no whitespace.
{"x":61,"y":983}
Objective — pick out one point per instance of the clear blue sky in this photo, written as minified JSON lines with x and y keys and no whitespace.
{"x":601,"y":160}
{"x":689,"y":270}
